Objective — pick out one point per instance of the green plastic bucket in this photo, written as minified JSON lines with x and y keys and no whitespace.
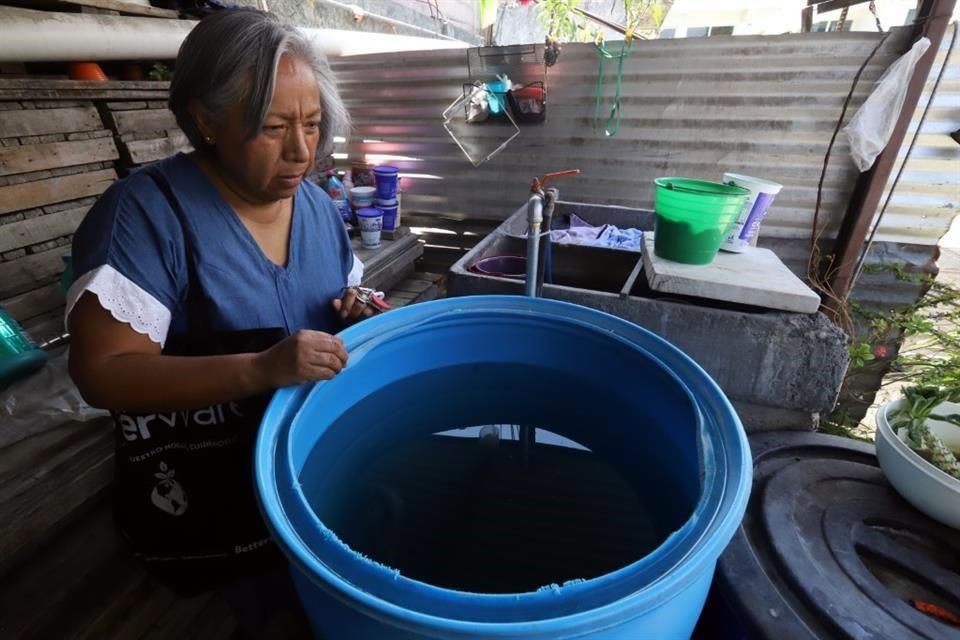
{"x":693,"y":217}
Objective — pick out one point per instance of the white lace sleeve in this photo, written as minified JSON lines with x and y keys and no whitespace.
{"x":356,"y":273}
{"x":125,"y":301}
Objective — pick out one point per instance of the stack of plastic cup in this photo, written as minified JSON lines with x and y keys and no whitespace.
{"x":371,"y":225}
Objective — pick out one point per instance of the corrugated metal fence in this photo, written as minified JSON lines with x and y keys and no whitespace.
{"x":763,"y":105}
{"x":695,"y":107}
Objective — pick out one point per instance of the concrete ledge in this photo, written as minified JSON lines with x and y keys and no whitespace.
{"x":768,"y":359}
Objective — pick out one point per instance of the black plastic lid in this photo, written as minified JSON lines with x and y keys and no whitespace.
{"x":828,"y":549}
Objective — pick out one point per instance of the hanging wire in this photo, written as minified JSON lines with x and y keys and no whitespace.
{"x":818,"y":274}
{"x":913,"y":142}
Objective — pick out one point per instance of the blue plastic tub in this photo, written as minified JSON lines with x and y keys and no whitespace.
{"x":600,"y":381}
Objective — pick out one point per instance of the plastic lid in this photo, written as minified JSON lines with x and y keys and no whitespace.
{"x":765,"y":186}
{"x":828,"y":549}
{"x":385,"y":169}
{"x":387,"y":203}
{"x":369,"y":212}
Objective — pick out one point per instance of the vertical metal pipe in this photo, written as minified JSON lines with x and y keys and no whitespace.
{"x":534,"y":218}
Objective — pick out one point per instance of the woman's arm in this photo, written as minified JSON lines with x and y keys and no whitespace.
{"x":117,"y":368}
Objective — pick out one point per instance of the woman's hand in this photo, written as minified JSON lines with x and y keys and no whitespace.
{"x":350,"y":308}
{"x":303,"y":357}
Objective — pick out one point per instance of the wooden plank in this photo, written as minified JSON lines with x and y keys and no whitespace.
{"x":40,"y":122}
{"x":33,"y":303}
{"x":35,"y":598}
{"x":130,"y":612}
{"x":43,"y":192}
{"x":141,"y":151}
{"x":36,"y":230}
{"x":46,"y":486}
{"x":413,"y":285}
{"x":37,"y":157}
{"x":178,"y":619}
{"x":631,"y":279}
{"x":123,"y":7}
{"x":90,"y":92}
{"x":144,"y":121}
{"x":82,"y":85}
{"x":215,"y":622}
{"x":834,"y":5}
{"x":756,"y":277}
{"x":23,"y":274}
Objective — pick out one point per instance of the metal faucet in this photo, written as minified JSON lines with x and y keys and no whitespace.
{"x":540,"y":215}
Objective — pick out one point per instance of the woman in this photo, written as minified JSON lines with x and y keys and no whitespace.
{"x":205,"y":281}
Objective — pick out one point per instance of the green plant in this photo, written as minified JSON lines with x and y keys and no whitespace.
{"x":930,"y":354}
{"x":564,"y":21}
{"x":160,"y":71}
{"x":860,"y":354}
{"x":918,"y":406}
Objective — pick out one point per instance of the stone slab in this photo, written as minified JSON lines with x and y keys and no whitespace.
{"x":756,"y":277}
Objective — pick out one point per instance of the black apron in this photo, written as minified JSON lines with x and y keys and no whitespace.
{"x":184,"y":487}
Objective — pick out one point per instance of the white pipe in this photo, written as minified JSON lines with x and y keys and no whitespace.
{"x":46,"y":36}
{"x":340,"y":42}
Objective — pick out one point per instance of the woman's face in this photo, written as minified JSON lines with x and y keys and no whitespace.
{"x":270,"y":166}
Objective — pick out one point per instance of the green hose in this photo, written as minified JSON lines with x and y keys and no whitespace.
{"x":612,"y":124}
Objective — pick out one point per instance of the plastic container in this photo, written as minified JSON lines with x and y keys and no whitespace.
{"x":744,"y":232}
{"x":370,"y":220}
{"x":362,"y":197}
{"x":338,"y":194}
{"x":389,"y":209}
{"x":89,"y":71}
{"x":502,"y":266}
{"x":19,"y":356}
{"x":361,"y":174}
{"x":828,"y":551}
{"x":387,"y":179}
{"x":494,"y":360}
{"x":693,"y":218}
{"x":926,"y":487}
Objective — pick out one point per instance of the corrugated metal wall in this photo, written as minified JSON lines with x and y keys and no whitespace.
{"x":764,"y":105}
{"x":928,"y":195}
{"x":696,"y":107}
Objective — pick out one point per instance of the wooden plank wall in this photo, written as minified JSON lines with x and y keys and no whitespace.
{"x":62,"y":144}
{"x":146,"y":131}
{"x":56,"y":156}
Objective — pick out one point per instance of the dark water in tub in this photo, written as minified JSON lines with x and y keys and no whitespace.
{"x":478,"y":513}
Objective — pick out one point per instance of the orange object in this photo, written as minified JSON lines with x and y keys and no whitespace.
{"x":87,"y":71}
{"x":538,"y":184}
{"x":937,"y":612}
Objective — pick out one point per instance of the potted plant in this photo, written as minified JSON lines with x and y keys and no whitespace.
{"x":918,"y":445}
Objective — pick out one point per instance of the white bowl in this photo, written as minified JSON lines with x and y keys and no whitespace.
{"x":927,"y":488}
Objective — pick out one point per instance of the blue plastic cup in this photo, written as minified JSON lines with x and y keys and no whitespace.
{"x":389,"y":209}
{"x":387,"y":179}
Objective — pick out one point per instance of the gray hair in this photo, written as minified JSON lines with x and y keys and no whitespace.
{"x":231,"y":57}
